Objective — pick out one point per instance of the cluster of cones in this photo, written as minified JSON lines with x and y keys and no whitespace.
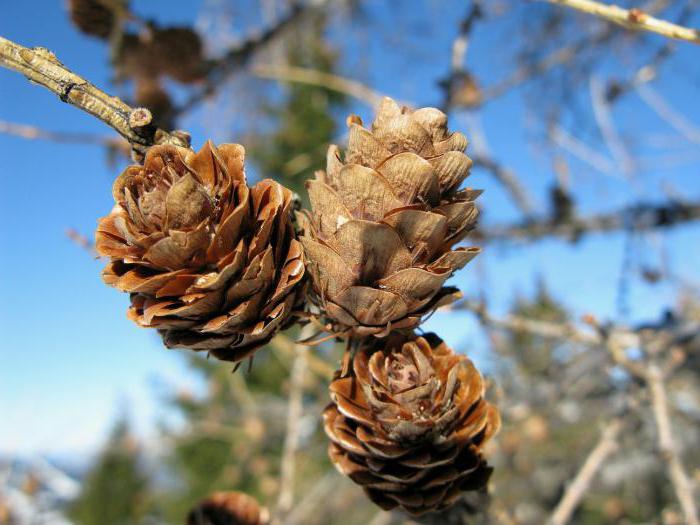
{"x":215,"y":264}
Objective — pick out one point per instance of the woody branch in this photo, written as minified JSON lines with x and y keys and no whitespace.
{"x":634,"y":19}
{"x":41,"y":66}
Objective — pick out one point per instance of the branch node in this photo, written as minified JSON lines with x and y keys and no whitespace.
{"x":66,"y":92}
{"x":140,"y":118}
{"x":636,"y":16}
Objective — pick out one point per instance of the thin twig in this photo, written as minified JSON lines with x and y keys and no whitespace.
{"x":301,"y":75}
{"x":667,"y":448}
{"x":317,"y":365}
{"x":641,"y":217}
{"x":382,"y":517}
{"x":634,"y":19}
{"x":559,"y":57}
{"x":508,"y":179}
{"x":321,"y":490}
{"x":82,"y":241}
{"x":577,"y":489}
{"x":460,"y":45}
{"x":41,"y":66}
{"x":65,"y":137}
{"x":545,"y":329}
{"x":675,"y":119}
{"x":240,"y":55}
{"x":556,"y":58}
{"x":603,"y":117}
{"x":581,"y":150}
{"x":285,"y":500}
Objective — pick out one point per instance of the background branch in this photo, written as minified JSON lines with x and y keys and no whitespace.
{"x":313,"y":77}
{"x":240,"y":55}
{"x":295,"y":405}
{"x":641,"y":217}
{"x":667,"y":448}
{"x":41,"y":66}
{"x":66,"y":137}
{"x":634,"y":19}
{"x":579,"y":486}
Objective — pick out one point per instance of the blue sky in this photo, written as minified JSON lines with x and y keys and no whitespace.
{"x":70,"y":361}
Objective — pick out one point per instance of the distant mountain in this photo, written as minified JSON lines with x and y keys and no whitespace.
{"x":36,"y":490}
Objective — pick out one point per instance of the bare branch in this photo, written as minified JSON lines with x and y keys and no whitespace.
{"x":321,"y":490}
{"x":675,"y":119}
{"x":603,"y":117}
{"x":41,"y":66}
{"x":460,"y":45}
{"x":533,"y":326}
{"x":559,"y":57}
{"x":65,"y":137}
{"x":313,"y":77}
{"x":285,"y":500}
{"x":317,"y":365}
{"x":508,"y":179}
{"x":581,"y":150}
{"x":576,"y":491}
{"x":667,"y":448}
{"x":240,"y":55}
{"x":639,"y":217}
{"x":634,"y":19}
{"x":82,"y":241}
{"x":556,"y":58}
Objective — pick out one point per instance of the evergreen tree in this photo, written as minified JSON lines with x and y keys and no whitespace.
{"x":116,"y":490}
{"x":232,"y":435}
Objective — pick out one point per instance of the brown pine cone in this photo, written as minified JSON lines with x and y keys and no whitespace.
{"x":379,"y":238}
{"x":408,"y":424}
{"x":180,"y":53}
{"x":94,"y":17}
{"x":464,"y":91}
{"x":229,"y":508}
{"x":136,"y":57}
{"x":208,"y":261}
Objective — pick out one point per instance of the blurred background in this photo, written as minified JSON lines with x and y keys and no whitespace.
{"x":585,"y":137}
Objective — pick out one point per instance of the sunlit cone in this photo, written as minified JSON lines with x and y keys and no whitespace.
{"x":408,"y":423}
{"x":210,"y":262}
{"x":379,"y":238}
{"x":229,"y":508}
{"x":180,"y":53}
{"x":95,"y":17}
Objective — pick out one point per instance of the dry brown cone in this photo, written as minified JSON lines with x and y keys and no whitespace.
{"x":180,"y":53}
{"x":136,"y":57}
{"x":408,"y":423}
{"x":384,"y":220}
{"x":208,"y":261}
{"x":95,"y":17}
{"x":464,"y":91}
{"x":229,"y":508}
